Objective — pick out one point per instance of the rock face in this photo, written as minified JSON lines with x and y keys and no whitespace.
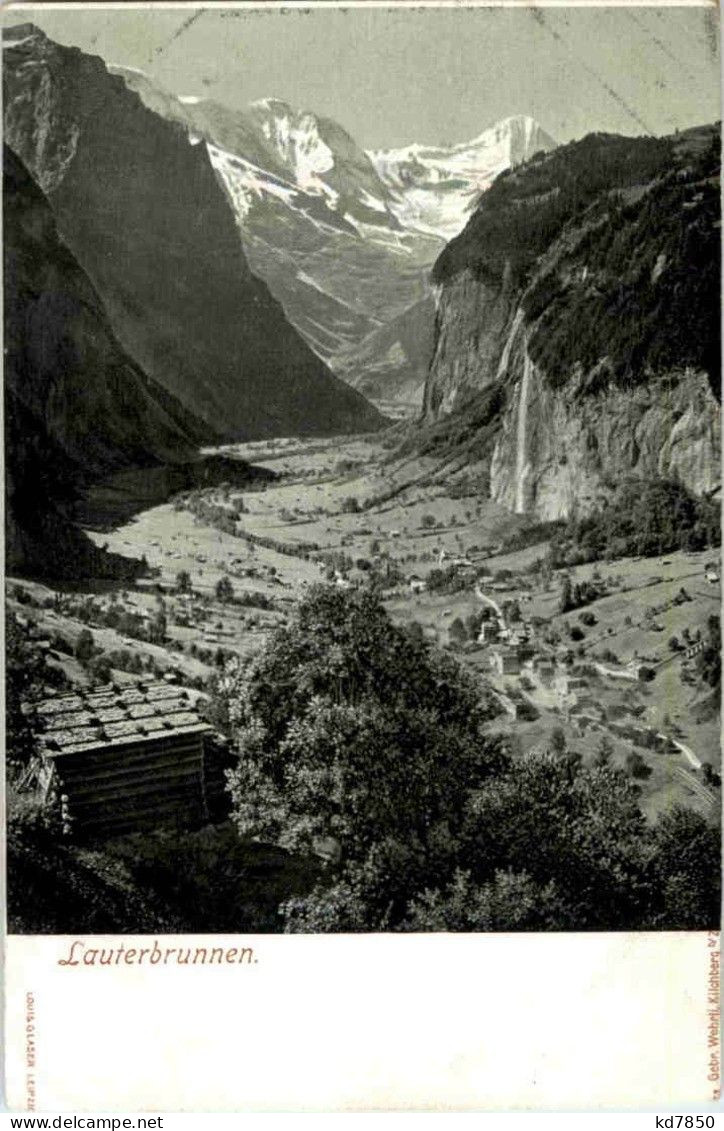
{"x":62,"y":361}
{"x":557,"y":450}
{"x":140,"y":207}
{"x":472,"y":320}
{"x":76,"y":405}
{"x":345,"y":239}
{"x":595,"y":317}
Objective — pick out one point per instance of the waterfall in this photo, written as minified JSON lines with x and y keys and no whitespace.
{"x":520,"y":464}
{"x":505,"y":355}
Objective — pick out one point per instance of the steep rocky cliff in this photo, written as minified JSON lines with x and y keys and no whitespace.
{"x":62,"y":361}
{"x":76,"y":406}
{"x":141,"y":209}
{"x":585,"y":289}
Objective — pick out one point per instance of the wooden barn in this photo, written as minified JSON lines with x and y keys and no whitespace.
{"x":127,"y":760}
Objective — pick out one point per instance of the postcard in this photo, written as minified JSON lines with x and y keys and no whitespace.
{"x":362,"y":596}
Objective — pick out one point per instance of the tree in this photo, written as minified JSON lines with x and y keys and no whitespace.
{"x":183,"y":581}
{"x":359,"y":744}
{"x":84,"y":646}
{"x":604,"y":754}
{"x":416,"y":630}
{"x":100,"y":668}
{"x":224,"y":589}
{"x":643,"y":516}
{"x":576,"y":827}
{"x":349,"y":728}
{"x":472,"y":623}
{"x":686,"y":863}
{"x":636,"y":765}
{"x":158,"y":627}
{"x":24,"y":676}
{"x":566,"y":598}
{"x":710,"y":776}
{"x":458,"y":632}
{"x":510,"y":901}
{"x":557,"y":740}
{"x":709,"y":659}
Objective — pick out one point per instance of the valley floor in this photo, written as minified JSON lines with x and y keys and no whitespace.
{"x":341,"y":506}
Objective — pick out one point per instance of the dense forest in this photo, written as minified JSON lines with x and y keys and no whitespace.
{"x":641,"y":288}
{"x":526,"y":208}
{"x":614,"y":245}
{"x":642,"y":517}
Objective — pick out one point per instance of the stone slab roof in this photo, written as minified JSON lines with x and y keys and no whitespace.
{"x":109,"y":718}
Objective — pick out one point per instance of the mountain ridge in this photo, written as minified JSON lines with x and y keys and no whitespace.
{"x":320,"y":224}
{"x":76,"y":406}
{"x":161,"y":247}
{"x":582,"y":297}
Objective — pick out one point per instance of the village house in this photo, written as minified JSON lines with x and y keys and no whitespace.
{"x":588,"y":704}
{"x":566,"y":684}
{"x":506,"y":661}
{"x":489,"y":632}
{"x":545,"y":673}
{"x":417,"y":585}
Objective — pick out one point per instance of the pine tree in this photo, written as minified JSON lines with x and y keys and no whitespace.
{"x":566,"y":599}
{"x":604,"y":752}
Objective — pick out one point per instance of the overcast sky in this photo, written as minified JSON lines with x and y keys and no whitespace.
{"x":430,"y":75}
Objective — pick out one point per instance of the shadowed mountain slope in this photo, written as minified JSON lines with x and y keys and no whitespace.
{"x":76,"y":406}
{"x":141,"y":209}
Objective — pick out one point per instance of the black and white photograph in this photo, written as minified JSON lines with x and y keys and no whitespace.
{"x":362,"y":470}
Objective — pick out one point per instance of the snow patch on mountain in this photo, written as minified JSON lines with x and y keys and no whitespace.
{"x":9,"y":42}
{"x":345,"y":238}
{"x":296,"y":139}
{"x":246,"y":182}
{"x":433,"y":189}
{"x":372,"y":202}
{"x":119,"y":68}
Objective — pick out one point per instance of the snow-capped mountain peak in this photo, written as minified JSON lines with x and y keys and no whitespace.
{"x":345,"y":238}
{"x":434,"y":188}
{"x":295,"y":136}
